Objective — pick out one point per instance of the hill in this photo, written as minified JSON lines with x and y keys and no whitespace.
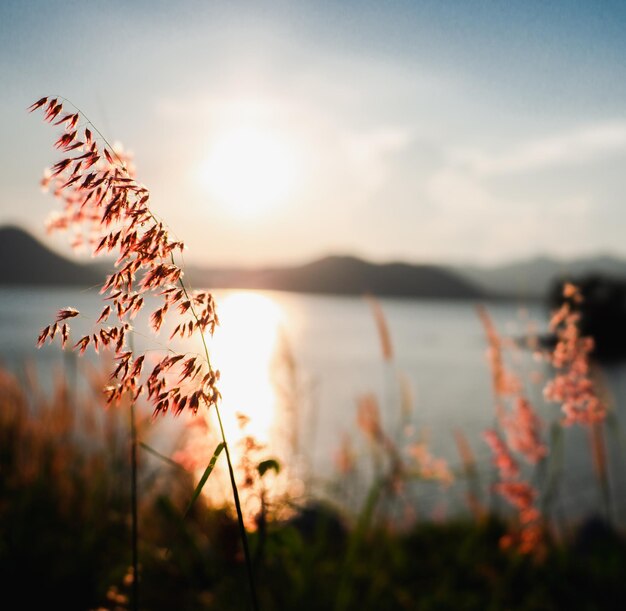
{"x":25,"y":261}
{"x":343,"y":275}
{"x":535,"y":277}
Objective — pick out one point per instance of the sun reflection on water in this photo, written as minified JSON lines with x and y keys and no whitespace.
{"x":242,"y":349}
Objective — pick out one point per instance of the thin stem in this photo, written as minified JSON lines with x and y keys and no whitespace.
{"x":242,"y":529}
{"x":233,"y":483}
{"x":133,"y":500}
{"x":346,"y":576}
{"x":231,"y":473}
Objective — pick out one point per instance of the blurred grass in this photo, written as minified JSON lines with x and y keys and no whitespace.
{"x":65,"y":536}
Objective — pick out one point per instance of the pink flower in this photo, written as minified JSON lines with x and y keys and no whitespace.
{"x":571,"y":386}
{"x":502,"y":458}
{"x":522,"y":427}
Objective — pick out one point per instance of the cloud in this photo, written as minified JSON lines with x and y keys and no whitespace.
{"x":498,"y":203}
{"x":367,"y":155}
{"x":464,"y":181}
{"x":574,"y":147}
{"x":457,"y":190}
{"x":345,"y":163}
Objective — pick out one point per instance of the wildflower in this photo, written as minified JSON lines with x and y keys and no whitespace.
{"x":505,"y":383}
{"x":430,"y":467}
{"x":572,"y":386}
{"x":502,"y":458}
{"x":522,"y":428}
{"x":101,"y":197}
{"x":345,"y":458}
{"x":368,"y":418}
{"x":382,"y":327}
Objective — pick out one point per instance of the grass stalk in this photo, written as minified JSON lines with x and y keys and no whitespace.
{"x":134,"y":510}
{"x":599,"y":453}
{"x":344,"y":591}
{"x":242,"y":528}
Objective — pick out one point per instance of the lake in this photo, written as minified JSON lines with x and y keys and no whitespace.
{"x":320,"y":354}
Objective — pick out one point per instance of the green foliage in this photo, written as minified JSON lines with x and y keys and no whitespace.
{"x":205,"y":476}
{"x":65,"y":533}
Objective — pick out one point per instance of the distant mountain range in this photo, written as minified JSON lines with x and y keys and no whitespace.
{"x":25,"y":261}
{"x":345,"y":276}
{"x":535,"y":277}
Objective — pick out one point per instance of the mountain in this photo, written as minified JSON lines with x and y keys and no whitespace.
{"x":535,"y":277}
{"x":25,"y":261}
{"x":342,"y":275}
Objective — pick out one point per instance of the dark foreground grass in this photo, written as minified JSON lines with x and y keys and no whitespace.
{"x":65,"y":537}
{"x":455,"y":565}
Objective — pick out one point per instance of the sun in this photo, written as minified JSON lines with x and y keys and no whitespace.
{"x":249,"y":170}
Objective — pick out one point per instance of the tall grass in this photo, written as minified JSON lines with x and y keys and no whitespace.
{"x":62,"y":485}
{"x":518,"y":431}
{"x":64,"y":527}
{"x":527,"y":462}
{"x":101,"y":197}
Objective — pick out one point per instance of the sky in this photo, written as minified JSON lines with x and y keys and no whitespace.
{"x":280,"y":132}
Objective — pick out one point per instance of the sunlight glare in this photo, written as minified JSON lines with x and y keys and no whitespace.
{"x":243,"y":348}
{"x":249,"y":170}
